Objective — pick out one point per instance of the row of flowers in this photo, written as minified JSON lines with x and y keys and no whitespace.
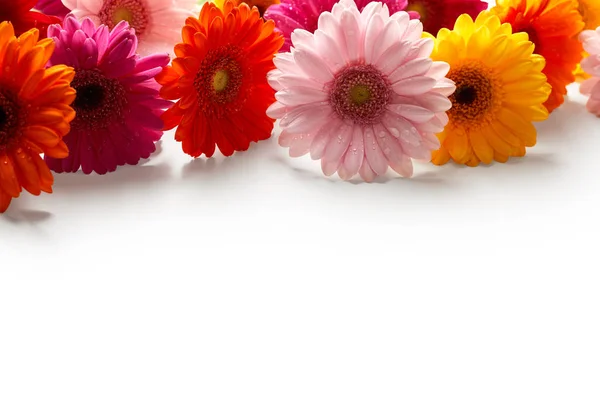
{"x":361,"y":86}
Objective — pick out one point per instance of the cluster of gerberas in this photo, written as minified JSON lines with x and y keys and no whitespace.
{"x":362,"y":86}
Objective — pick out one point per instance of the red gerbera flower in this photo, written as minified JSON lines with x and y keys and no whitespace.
{"x":20,"y":14}
{"x":438,"y":14}
{"x":220,"y":80}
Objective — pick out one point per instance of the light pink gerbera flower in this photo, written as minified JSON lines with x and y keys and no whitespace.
{"x":362,"y":93}
{"x":157,"y":23}
{"x":591,"y":65}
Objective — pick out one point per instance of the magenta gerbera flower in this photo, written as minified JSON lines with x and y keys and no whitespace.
{"x":117,"y":105}
{"x":52,"y":7}
{"x":362,"y":93}
{"x":438,"y":14}
{"x":304,"y":14}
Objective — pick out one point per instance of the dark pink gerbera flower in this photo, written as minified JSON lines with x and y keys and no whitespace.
{"x":118,"y":106}
{"x":290,"y":15}
{"x":52,"y":7}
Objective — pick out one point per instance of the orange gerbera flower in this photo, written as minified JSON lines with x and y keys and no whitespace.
{"x":262,"y":5}
{"x":220,"y":79}
{"x":34,"y":112}
{"x":553,"y":26}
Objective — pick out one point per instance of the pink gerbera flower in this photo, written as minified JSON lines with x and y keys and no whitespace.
{"x":362,"y":93}
{"x":304,"y":14}
{"x":52,"y":7}
{"x":157,"y":23}
{"x":117,"y":104}
{"x":591,"y":65}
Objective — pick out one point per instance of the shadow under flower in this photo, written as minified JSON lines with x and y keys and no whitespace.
{"x":17,"y":215}
{"x":220,"y":167}
{"x":123,"y":177}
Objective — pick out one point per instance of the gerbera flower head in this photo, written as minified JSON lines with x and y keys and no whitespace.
{"x":34,"y":113}
{"x":23,"y":18}
{"x":262,"y":5}
{"x":52,"y":7}
{"x":362,"y":93}
{"x":304,"y":14}
{"x":590,"y":12}
{"x":117,"y":104}
{"x":220,"y":80}
{"x":438,"y":14}
{"x":157,"y":23}
{"x":591,"y":65}
{"x":500,"y":90}
{"x":553,"y":26}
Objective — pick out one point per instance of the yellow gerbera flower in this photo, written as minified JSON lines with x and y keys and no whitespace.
{"x":500,"y":90}
{"x":590,"y":11}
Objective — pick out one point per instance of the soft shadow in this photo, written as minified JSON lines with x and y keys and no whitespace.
{"x":17,"y":215}
{"x":559,"y":125}
{"x":219,"y":166}
{"x":123,"y":177}
{"x":544,"y":160}
{"x":420,"y":178}
{"x":157,"y":152}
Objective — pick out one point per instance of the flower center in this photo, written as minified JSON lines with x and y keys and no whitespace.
{"x":475,"y":94}
{"x":100,"y":101}
{"x":9,"y":119}
{"x":122,"y":14}
{"x":419,"y":7}
{"x":360,"y":93}
{"x":219,"y":80}
{"x":132,"y":11}
{"x":262,"y":5}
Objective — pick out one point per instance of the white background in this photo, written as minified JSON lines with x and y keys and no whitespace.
{"x":255,"y":277}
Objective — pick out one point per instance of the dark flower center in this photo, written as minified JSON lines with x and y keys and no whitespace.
{"x":474,"y":94}
{"x":9,"y":118}
{"x":219,"y":81}
{"x":89,"y":97}
{"x":465,"y":95}
{"x":100,"y":101}
{"x":360,"y":93}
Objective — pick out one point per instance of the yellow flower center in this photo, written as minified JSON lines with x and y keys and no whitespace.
{"x":220,"y":80}
{"x":418,"y":7}
{"x":122,"y":14}
{"x":360,"y":94}
{"x":132,"y":11}
{"x":262,"y":5}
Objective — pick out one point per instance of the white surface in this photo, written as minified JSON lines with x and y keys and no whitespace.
{"x":255,"y":277}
